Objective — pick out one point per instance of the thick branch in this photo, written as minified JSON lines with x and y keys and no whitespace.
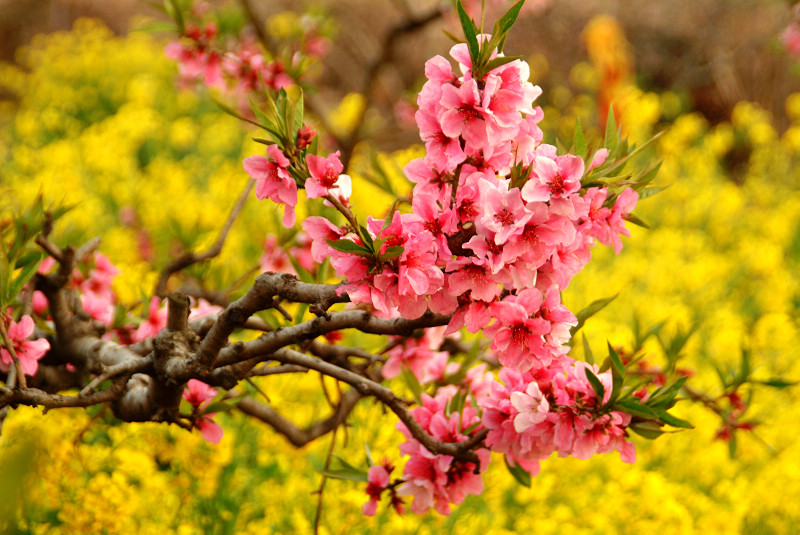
{"x":262,"y":295}
{"x":300,"y":437}
{"x":352,"y":319}
{"x":35,"y":397}
{"x":366,"y":387}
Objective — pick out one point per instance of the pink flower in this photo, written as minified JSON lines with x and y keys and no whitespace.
{"x":28,"y":351}
{"x":378,"y":480}
{"x":156,"y":320}
{"x":273,"y":180}
{"x":200,"y":395}
{"x":532,"y":406}
{"x":209,"y":429}
{"x":436,"y":481}
{"x":274,"y":258}
{"x":197,"y":392}
{"x":326,"y":175}
{"x":202,"y":309}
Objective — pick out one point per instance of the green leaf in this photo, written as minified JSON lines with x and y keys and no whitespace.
{"x":499,"y":62}
{"x":507,"y":21}
{"x":617,"y":374}
{"x":232,"y":112}
{"x":632,"y":406}
{"x":348,"y":246}
{"x":611,"y":137}
{"x":366,"y":237}
{"x":597,"y":386}
{"x":633,"y":218}
{"x":649,"y":192}
{"x":587,"y":350}
{"x":579,"y":140}
{"x":522,"y":476}
{"x":776,"y":382}
{"x":22,"y":279}
{"x":648,"y":429}
{"x":299,"y":112}
{"x":391,"y":253}
{"x":593,"y":308}
{"x":470,"y":31}
{"x":413,"y":384}
{"x":174,"y":11}
{"x":669,"y":419}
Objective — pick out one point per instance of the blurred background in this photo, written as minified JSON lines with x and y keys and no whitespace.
{"x":92,"y":112}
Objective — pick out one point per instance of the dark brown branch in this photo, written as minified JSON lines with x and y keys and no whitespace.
{"x":190,"y":258}
{"x":366,"y":387}
{"x":300,"y":437}
{"x":352,"y":319}
{"x":263,"y":371}
{"x":35,"y":397}
{"x":262,"y":295}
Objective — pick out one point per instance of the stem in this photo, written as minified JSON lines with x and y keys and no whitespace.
{"x":20,"y":376}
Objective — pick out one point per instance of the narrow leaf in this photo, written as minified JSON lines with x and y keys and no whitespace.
{"x":470,"y":32}
{"x":597,"y":386}
{"x":593,"y":308}
{"x":634,"y":408}
{"x":611,"y":137}
{"x":648,"y":429}
{"x":669,"y":419}
{"x":522,"y":476}
{"x":587,"y":350}
{"x":579,"y":141}
{"x":633,"y":218}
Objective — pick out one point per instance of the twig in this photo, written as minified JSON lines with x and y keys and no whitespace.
{"x":126,"y":367}
{"x":366,"y":387}
{"x":20,"y":375}
{"x":351,"y":319}
{"x":373,"y":68}
{"x":321,"y":491}
{"x":35,"y":397}
{"x":262,"y":295}
{"x":263,"y":371}
{"x":300,"y":437}
{"x":190,"y":258}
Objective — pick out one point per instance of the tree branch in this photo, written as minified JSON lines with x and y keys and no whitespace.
{"x":189,"y":258}
{"x":300,"y":437}
{"x":366,"y":387}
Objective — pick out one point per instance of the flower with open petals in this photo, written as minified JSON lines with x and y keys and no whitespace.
{"x":28,"y":351}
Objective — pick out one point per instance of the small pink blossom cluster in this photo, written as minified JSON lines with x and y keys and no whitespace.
{"x":28,"y":351}
{"x":274,"y":180}
{"x":96,"y":294}
{"x":535,"y":413}
{"x":436,"y":481}
{"x":199,"y":395}
{"x":276,"y":259}
{"x":379,"y":481}
{"x":239,"y":72}
{"x":420,"y":355}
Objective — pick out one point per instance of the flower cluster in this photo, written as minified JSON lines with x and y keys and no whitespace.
{"x":500,"y":223}
{"x":27,"y":351}
{"x":533,"y":414}
{"x":199,"y":395}
{"x":436,"y":481}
